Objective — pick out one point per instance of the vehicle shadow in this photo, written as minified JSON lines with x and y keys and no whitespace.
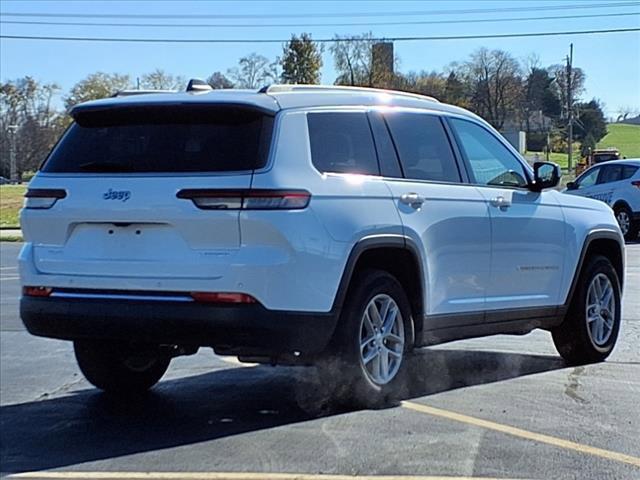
{"x":88,"y":425}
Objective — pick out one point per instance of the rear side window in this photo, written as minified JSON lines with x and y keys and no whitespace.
{"x":164,"y":139}
{"x":423,"y":146}
{"x":342,"y":143}
{"x":628,"y":171}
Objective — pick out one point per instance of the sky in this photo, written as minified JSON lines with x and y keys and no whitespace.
{"x":611,"y":61}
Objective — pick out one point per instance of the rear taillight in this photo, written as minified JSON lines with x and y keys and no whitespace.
{"x":636,"y":183}
{"x":255,"y":199}
{"x":222,"y":297}
{"x":36,"y":291}
{"x":42,"y":198}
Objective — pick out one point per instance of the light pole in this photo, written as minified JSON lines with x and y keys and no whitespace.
{"x":13,"y":173}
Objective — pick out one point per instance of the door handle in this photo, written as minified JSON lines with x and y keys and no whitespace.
{"x":501,"y":202}
{"x":412,"y":199}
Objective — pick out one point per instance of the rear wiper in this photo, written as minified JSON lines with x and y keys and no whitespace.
{"x":105,"y":167}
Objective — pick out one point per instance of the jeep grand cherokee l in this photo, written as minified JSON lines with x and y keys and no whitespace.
{"x":312,"y":225}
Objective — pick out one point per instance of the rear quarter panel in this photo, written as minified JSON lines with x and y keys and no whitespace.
{"x":343,"y":210}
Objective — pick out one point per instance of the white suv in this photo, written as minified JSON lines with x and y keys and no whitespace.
{"x":309,"y":225}
{"x":617,"y":183}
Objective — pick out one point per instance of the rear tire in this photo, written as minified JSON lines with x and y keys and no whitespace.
{"x":367,"y":361}
{"x":625,"y":221}
{"x":119,"y":368}
{"x":590,"y":328}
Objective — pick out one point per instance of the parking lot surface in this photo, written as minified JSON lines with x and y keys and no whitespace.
{"x":498,"y":407}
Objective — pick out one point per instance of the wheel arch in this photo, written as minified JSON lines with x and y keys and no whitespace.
{"x":621,"y":203}
{"x":396,"y":254}
{"x":607,"y":243}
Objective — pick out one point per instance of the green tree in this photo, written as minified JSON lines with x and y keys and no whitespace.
{"x":539,"y":97}
{"x":97,"y":85}
{"x":591,"y":125}
{"x":454,"y":90}
{"x":301,"y":61}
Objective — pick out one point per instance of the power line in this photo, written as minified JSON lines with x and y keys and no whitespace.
{"x":321,"y":40}
{"x":350,"y":24}
{"x":325,"y":15}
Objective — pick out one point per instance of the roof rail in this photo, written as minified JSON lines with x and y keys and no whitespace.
{"x":128,"y":93}
{"x":198,"y":85}
{"x":278,"y":88}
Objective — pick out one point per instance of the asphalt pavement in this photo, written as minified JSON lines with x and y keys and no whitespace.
{"x":500,"y":407}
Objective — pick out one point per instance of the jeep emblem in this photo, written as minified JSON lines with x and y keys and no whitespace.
{"x":122,"y":195}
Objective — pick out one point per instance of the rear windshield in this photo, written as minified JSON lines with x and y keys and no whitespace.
{"x":605,"y":157}
{"x":164,"y":139}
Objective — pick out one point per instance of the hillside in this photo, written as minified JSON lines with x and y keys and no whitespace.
{"x":625,"y":138}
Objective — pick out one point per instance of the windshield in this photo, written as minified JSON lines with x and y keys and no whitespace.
{"x":164,"y":139}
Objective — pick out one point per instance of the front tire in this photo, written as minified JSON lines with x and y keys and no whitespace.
{"x":119,"y":368}
{"x":590,"y":328}
{"x":368,"y":357}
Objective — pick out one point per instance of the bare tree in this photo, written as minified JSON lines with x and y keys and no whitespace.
{"x":218,"y":80}
{"x":494,"y":79}
{"x":626,"y":111}
{"x":253,"y":71}
{"x":26,"y":109}
{"x":578,"y":77}
{"x":161,"y":80}
{"x":352,"y":57}
{"x":433,"y":84}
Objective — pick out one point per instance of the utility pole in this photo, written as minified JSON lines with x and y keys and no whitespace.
{"x":570,"y":108}
{"x":13,"y":173}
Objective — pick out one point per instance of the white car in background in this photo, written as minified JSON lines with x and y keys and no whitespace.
{"x":616,"y":183}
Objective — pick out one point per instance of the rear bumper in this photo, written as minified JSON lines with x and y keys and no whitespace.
{"x":249,"y":330}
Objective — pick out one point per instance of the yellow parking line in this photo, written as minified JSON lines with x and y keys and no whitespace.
{"x":518,"y":432}
{"x":226,"y":476}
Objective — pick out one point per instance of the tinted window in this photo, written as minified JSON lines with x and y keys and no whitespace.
{"x":610,"y":173}
{"x":589,"y":178}
{"x":163,"y":139}
{"x":605,"y":157}
{"x":423,"y":146}
{"x":628,"y":171}
{"x":342,"y":143}
{"x":490,"y":161}
{"x":387,"y":157}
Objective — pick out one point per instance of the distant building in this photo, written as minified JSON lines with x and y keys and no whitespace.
{"x":382,"y":64}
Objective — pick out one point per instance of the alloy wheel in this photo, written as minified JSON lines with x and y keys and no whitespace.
{"x":623,"y":221}
{"x":382,"y":339}
{"x":601,"y":310}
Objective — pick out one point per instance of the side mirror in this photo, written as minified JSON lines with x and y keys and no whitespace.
{"x":572,"y":186}
{"x":546,"y":175}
